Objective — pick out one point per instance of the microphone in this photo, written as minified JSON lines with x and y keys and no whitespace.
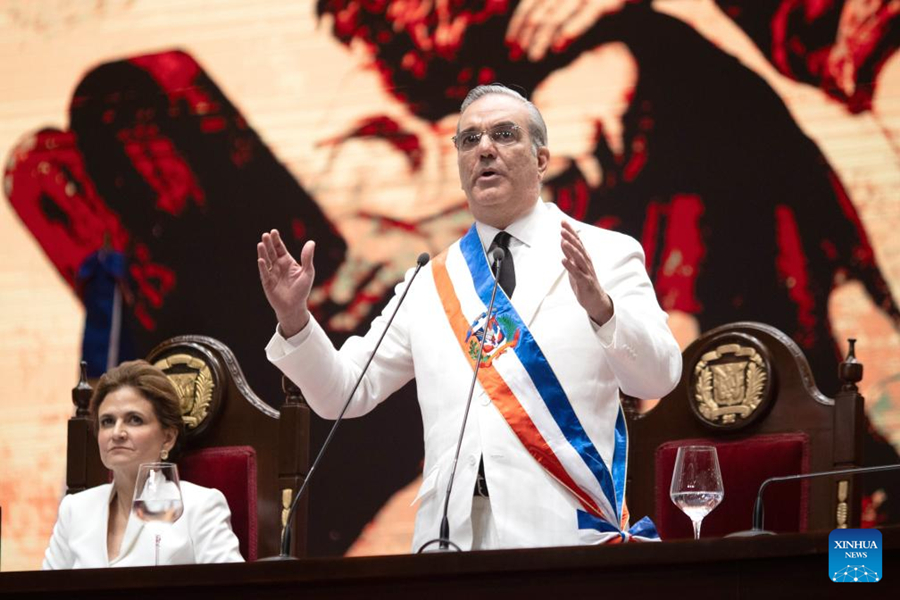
{"x":757,"y":528}
{"x":421,"y":261}
{"x":443,"y":540}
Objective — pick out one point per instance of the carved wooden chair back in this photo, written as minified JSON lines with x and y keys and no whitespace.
{"x":747,"y":389}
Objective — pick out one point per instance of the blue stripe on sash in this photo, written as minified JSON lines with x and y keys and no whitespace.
{"x":541,"y":373}
{"x":620,"y":454}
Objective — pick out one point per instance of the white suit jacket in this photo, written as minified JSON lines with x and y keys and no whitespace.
{"x":634,"y":351}
{"x":202,"y":535}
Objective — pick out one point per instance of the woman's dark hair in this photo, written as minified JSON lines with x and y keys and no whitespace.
{"x":153,"y":385}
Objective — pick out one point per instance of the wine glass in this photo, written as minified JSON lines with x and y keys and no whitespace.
{"x":697,"y":483}
{"x":157,"y":496}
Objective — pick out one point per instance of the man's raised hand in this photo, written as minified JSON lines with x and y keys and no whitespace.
{"x":286,"y":282}
{"x":583,"y":278}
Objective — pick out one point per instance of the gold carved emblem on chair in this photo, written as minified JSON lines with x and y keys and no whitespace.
{"x":194,"y":381}
{"x":731,"y":384}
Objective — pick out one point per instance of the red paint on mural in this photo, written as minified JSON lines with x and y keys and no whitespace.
{"x":792,"y":266}
{"x":682,"y":254}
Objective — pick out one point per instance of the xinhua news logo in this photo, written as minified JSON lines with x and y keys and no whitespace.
{"x":854,"y":556}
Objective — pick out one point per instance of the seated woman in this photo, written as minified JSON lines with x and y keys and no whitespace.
{"x":136,"y":414}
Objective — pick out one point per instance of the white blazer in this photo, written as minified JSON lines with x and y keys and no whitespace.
{"x":634,"y":351}
{"x":202,"y":535}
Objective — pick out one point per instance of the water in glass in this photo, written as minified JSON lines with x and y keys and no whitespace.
{"x":697,"y":483}
{"x":157,"y":496}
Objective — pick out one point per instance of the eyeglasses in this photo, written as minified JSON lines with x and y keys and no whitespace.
{"x":501,"y":135}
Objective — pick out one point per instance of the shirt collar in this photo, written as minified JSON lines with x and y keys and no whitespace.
{"x":526,"y":229}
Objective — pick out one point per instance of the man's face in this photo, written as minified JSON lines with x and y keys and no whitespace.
{"x":501,"y":182}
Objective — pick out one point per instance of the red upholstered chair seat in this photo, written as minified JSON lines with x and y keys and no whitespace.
{"x":232,"y":471}
{"x":745,"y":464}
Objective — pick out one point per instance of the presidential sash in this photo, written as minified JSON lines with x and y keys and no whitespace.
{"x":522,"y":385}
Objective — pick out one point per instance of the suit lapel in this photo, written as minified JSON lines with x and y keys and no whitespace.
{"x":100,"y":523}
{"x":132,"y":532}
{"x":543,"y":268}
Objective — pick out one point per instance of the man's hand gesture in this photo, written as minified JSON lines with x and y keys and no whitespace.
{"x":287,"y":284}
{"x":587,"y":288}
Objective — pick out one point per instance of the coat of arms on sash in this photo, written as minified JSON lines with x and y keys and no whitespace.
{"x":502,"y":334}
{"x":731,"y":383}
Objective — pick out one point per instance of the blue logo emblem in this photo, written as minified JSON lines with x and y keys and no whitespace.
{"x":854,"y":556}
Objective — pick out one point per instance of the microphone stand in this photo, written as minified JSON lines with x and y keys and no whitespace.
{"x":758,"y":506}
{"x":443,"y":539}
{"x":421,"y":261}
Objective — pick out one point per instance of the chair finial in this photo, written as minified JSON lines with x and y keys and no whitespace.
{"x":850,"y":371}
{"x":292,"y":393}
{"x":81,"y":393}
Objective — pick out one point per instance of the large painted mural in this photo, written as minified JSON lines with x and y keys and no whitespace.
{"x":753,"y":147}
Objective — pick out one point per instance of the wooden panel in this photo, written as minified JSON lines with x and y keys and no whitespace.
{"x":781,"y":567}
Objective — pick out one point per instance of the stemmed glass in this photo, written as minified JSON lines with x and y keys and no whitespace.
{"x":697,"y":483}
{"x":157,"y":496}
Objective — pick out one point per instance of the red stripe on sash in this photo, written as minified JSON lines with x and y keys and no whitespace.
{"x":503,"y":397}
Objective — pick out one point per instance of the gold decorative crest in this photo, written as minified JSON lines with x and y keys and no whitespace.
{"x":193,"y":380}
{"x":729,"y":384}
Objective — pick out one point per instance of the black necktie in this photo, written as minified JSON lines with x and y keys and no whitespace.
{"x":507,"y":275}
{"x":507,"y":279}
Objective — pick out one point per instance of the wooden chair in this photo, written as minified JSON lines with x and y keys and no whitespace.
{"x":257,"y":456}
{"x":747,"y":389}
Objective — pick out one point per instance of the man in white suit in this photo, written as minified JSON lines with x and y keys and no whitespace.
{"x":544,"y":451}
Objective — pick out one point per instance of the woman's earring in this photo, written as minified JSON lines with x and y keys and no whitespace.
{"x":164,"y":455}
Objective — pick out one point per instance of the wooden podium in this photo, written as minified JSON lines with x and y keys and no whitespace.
{"x":793,"y":565}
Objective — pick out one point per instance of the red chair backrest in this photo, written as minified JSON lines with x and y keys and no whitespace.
{"x":745,"y":465}
{"x":232,"y":471}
